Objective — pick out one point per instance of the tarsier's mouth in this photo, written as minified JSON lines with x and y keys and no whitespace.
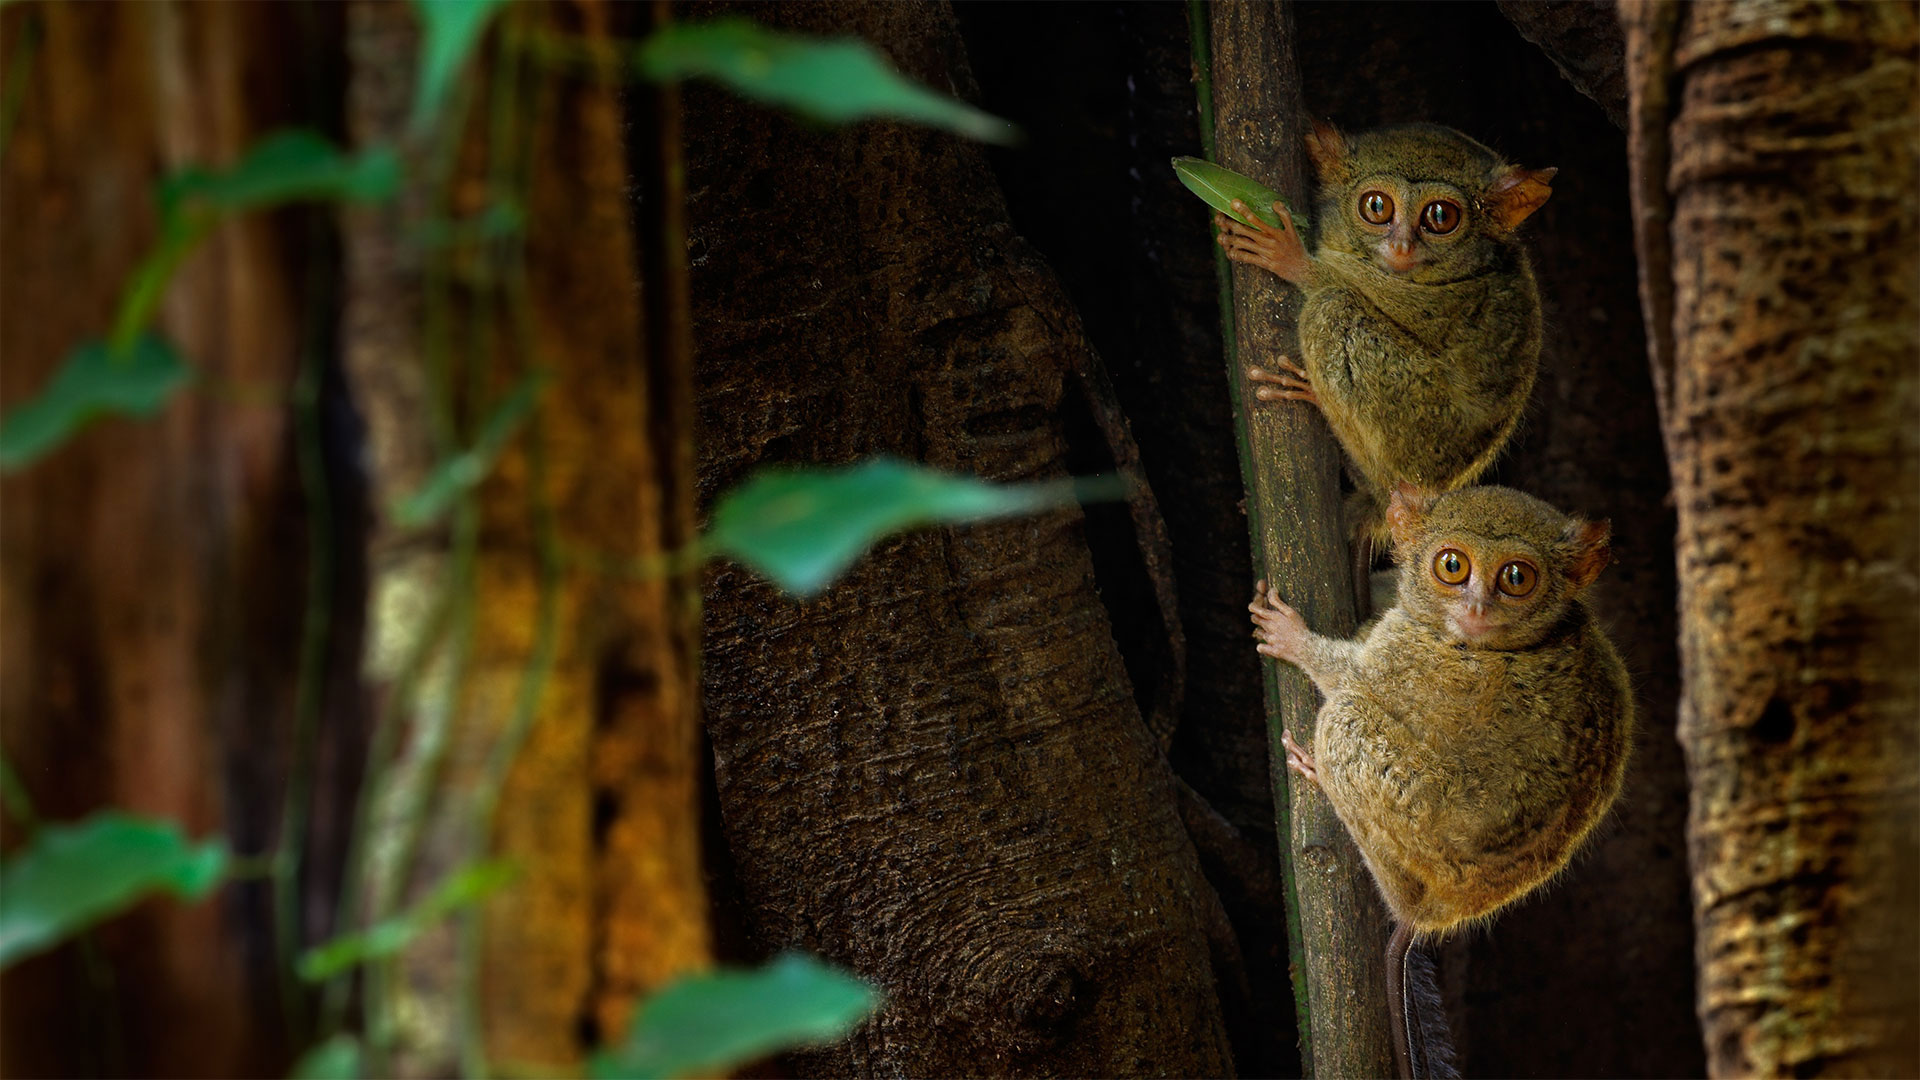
{"x":1397,"y":263}
{"x":1470,"y":626}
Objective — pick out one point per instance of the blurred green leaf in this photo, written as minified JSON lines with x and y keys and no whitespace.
{"x":336,"y":1059}
{"x":387,"y":937}
{"x":708,"y":1024}
{"x":804,"y":527}
{"x":71,"y":876}
{"x":452,"y":477}
{"x":287,"y":166}
{"x":92,"y":382}
{"x":833,"y":80}
{"x":1218,"y":187}
{"x":449,"y":30}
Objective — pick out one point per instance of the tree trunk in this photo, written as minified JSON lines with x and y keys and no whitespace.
{"x":1774,"y":151}
{"x":935,"y":771}
{"x":1292,"y":470}
{"x":556,"y":724}
{"x":1108,"y":90}
{"x":153,"y":570}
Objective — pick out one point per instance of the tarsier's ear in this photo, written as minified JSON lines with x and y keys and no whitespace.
{"x":1592,"y":551}
{"x":1329,"y":151}
{"x":1516,"y":193}
{"x":1405,"y":511}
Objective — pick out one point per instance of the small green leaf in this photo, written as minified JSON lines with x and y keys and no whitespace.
{"x":832,"y":80}
{"x":92,"y":382}
{"x":387,"y":937}
{"x":71,"y":876}
{"x":449,"y":30}
{"x":804,"y":527}
{"x":452,"y":477}
{"x":285,"y":167}
{"x":708,"y":1024}
{"x":336,"y":1059}
{"x":1218,"y":187}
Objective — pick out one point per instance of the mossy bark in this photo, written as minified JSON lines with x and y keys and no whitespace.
{"x":1292,"y":469}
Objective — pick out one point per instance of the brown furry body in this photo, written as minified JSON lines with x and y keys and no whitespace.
{"x":1470,"y":741}
{"x":1420,"y":343}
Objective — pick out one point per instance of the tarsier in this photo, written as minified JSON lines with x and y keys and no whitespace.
{"x":1474,"y":734}
{"x":1420,"y":335}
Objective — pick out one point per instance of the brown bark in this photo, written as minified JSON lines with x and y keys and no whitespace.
{"x":1112,"y":89}
{"x":580,"y":670}
{"x":1776,"y":144}
{"x":151,"y":598}
{"x":934,"y":772}
{"x":1292,"y":468}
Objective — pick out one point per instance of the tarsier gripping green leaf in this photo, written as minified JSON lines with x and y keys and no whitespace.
{"x":1219,"y":187}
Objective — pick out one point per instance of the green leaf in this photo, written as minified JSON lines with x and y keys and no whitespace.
{"x":449,"y":30}
{"x":1218,"y":187}
{"x":71,"y":876}
{"x":833,"y":80}
{"x":285,"y":167}
{"x":454,"y":476}
{"x":804,"y":527}
{"x":708,"y":1024}
{"x":92,"y":382}
{"x":389,"y":936}
{"x":336,"y":1059}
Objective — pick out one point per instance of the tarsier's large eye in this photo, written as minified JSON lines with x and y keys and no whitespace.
{"x":1440,"y":217}
{"x":1376,"y":207}
{"x":1451,"y":566}
{"x":1517,"y":578}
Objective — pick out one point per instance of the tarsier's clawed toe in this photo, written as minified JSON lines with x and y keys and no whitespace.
{"x":1299,"y":759}
{"x":1293,"y":386}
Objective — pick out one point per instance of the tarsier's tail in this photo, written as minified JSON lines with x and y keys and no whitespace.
{"x":1430,"y":1043}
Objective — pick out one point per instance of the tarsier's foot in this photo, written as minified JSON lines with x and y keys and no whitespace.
{"x":1279,"y":629}
{"x":1298,"y":759}
{"x":1289,"y":387}
{"x":1279,"y":250}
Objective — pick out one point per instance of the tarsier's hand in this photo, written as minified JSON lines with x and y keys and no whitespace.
{"x":1279,"y":250}
{"x":1280,"y":630}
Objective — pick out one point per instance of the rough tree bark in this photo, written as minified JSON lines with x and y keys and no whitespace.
{"x":1292,"y":469}
{"x":1774,"y":153}
{"x":579,"y":670}
{"x":151,"y":571}
{"x":935,"y":771}
{"x":1106,"y":92}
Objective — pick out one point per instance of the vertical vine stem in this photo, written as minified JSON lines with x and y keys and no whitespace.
{"x":1291,"y":467}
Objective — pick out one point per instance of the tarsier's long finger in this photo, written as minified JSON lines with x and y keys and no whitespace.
{"x":1252,"y":219}
{"x":1303,"y":394}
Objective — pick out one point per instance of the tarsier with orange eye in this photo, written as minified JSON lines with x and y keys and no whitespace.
{"x":1420,"y":335}
{"x":1474,"y":733}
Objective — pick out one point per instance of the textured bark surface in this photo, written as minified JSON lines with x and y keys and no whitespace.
{"x":153,"y":570}
{"x":575,"y":663}
{"x":1583,"y":39}
{"x":1777,"y":143}
{"x":935,"y":771}
{"x":1291,"y":467}
{"x":1106,"y":94}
